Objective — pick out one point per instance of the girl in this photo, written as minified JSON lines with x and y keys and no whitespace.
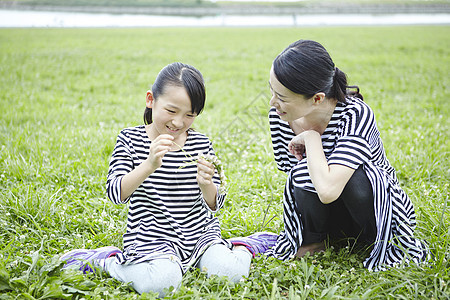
{"x":339,"y":179}
{"x":172,"y":200}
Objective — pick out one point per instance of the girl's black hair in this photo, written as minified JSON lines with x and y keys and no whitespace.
{"x":306,"y":68}
{"x":179,"y":75}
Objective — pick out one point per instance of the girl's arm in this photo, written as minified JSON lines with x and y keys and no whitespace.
{"x":328,"y":180}
{"x":132,"y":180}
{"x":205,"y":173}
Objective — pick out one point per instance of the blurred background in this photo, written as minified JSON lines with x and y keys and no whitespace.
{"x":170,"y":13}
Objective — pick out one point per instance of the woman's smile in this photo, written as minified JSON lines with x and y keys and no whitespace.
{"x":280,"y":113}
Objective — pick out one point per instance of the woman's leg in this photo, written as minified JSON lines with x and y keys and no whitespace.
{"x":314,"y":214}
{"x":315,"y":219}
{"x":352,"y":214}
{"x":152,"y":276}
{"x":219,"y":260}
{"x":358,"y":200}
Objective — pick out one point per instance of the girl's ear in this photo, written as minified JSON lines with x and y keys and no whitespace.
{"x":318,"y":98}
{"x":149,"y":99}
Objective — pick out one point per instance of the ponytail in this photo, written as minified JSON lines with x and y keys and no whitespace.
{"x":354,"y":93}
{"x":339,"y":87}
{"x":340,"y":90}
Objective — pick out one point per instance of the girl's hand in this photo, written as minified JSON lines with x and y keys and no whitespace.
{"x":205,"y":172}
{"x":297,"y":146}
{"x":159,"y":147}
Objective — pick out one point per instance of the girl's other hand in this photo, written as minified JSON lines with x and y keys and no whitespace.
{"x":159,"y":147}
{"x":205,"y":172}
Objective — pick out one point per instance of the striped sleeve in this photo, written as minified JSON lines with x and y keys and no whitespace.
{"x":121,"y":163}
{"x":354,"y":148}
{"x":350,"y":151}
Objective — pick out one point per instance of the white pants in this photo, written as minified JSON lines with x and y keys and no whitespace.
{"x":159,"y":274}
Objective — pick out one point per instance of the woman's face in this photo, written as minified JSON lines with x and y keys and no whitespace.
{"x":289,"y":105}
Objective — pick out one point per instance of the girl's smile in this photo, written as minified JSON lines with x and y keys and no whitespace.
{"x":174,"y":130}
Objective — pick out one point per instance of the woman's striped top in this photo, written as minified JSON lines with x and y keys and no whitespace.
{"x":351,"y":139}
{"x":167,"y":215}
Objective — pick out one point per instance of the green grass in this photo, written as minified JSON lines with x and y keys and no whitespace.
{"x":66,"y":93}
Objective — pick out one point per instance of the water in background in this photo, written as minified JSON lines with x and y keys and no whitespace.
{"x":16,"y":18}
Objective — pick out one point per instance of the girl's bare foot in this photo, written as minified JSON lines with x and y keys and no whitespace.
{"x":311,"y":248}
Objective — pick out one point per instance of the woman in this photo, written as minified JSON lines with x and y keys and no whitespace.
{"x":340,"y":182}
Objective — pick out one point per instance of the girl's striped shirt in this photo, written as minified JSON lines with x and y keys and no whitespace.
{"x":351,"y":139}
{"x":167,"y":215}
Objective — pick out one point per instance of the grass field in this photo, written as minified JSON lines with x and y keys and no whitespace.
{"x":66,"y":93}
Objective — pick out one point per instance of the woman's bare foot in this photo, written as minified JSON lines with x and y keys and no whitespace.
{"x":311,"y":248}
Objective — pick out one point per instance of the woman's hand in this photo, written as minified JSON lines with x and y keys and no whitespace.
{"x":297,"y":146}
{"x":328,"y":180}
{"x":159,"y":147}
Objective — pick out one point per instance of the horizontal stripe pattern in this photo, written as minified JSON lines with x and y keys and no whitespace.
{"x":351,"y":139}
{"x":167,"y":215}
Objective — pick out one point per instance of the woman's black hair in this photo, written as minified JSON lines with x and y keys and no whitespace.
{"x":306,"y":68}
{"x":179,"y":75}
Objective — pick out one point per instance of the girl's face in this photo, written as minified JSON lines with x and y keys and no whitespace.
{"x":289,"y":105}
{"x":171,"y":112}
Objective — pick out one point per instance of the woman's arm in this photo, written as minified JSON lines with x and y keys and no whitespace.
{"x":328,"y":180}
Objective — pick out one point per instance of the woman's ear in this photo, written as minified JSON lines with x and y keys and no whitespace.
{"x":149,"y":99}
{"x":319,"y":97}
